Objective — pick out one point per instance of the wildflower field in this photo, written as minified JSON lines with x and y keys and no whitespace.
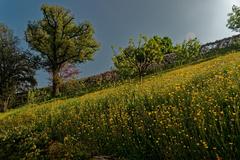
{"x":188,"y":113}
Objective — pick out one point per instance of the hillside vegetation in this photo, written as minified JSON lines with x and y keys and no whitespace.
{"x":188,"y":113}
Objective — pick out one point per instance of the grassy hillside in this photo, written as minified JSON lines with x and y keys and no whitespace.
{"x":187,"y":113}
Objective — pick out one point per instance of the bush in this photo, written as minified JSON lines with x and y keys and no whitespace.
{"x":38,"y":95}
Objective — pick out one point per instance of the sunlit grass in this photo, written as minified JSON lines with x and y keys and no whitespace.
{"x":187,"y":113}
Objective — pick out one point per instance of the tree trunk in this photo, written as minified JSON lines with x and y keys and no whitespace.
{"x":55,"y":83}
{"x":4,"y":105}
{"x":140,"y":74}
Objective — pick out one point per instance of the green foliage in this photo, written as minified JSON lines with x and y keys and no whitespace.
{"x":234,"y":19}
{"x":135,"y":60}
{"x":188,"y":51}
{"x":38,"y":95}
{"x":166,"y":45}
{"x":60,"y":40}
{"x":17,"y":68}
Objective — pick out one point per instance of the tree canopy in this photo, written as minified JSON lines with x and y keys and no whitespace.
{"x":136,"y":59}
{"x":234,"y":19}
{"x":17,"y":68}
{"x":60,"y":40}
{"x":188,"y":51}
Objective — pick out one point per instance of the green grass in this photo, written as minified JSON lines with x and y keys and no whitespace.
{"x":186,"y":113}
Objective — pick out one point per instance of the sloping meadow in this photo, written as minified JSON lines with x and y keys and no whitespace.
{"x":188,"y":113}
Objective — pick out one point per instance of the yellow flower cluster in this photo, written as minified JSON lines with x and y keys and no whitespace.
{"x":187,"y":113}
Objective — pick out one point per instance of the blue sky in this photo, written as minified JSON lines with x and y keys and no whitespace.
{"x":115,"y":21}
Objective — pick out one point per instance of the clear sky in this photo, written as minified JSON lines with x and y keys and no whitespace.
{"x":115,"y":21}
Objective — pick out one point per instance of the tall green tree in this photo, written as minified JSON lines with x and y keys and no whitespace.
{"x":136,"y":59}
{"x":17,"y":68}
{"x":60,"y":40}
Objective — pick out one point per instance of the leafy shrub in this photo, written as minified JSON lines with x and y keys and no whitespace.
{"x":188,"y":51}
{"x":38,"y":95}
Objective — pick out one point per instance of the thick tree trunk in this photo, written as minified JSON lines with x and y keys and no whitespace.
{"x":55,"y":83}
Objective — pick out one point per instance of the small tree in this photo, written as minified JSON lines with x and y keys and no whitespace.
{"x":60,"y":40}
{"x":188,"y":51}
{"x":17,"y":68}
{"x":137,"y":59}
